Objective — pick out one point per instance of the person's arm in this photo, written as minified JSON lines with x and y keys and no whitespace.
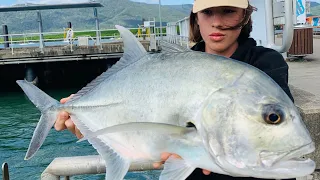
{"x":273,"y":64}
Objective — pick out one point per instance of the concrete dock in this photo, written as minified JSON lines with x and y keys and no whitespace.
{"x":63,"y":53}
{"x":305,"y":73}
{"x":304,"y":81}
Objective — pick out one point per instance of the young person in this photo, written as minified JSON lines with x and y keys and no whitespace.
{"x":220,"y":27}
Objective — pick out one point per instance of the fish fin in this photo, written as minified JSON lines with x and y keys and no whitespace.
{"x":39,"y":98}
{"x":133,"y":51}
{"x":43,"y":102}
{"x":176,"y":169}
{"x":140,"y":126}
{"x":116,"y":165}
{"x":41,"y":132}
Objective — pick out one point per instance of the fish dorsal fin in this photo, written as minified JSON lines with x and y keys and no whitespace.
{"x":133,"y":51}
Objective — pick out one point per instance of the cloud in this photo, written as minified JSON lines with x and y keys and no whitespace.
{"x":148,"y":1}
{"x":163,"y":2}
{"x":51,"y":1}
{"x":166,"y":2}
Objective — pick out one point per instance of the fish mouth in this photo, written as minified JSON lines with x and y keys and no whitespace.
{"x":292,"y":158}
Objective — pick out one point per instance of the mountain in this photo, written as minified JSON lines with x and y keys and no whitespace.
{"x":122,"y":12}
{"x":313,"y":4}
{"x":184,"y":8}
{"x":315,"y":11}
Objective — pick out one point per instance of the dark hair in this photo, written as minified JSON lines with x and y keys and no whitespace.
{"x":245,"y":25}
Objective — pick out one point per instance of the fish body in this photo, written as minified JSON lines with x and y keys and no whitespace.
{"x":243,"y":123}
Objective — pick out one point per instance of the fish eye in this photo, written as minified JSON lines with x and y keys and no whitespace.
{"x":273,"y":114}
{"x":273,"y":118}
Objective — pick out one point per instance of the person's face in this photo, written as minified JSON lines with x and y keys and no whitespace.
{"x":214,"y":23}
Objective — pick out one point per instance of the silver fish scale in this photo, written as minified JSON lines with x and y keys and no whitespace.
{"x":152,"y":88}
{"x":165,"y":88}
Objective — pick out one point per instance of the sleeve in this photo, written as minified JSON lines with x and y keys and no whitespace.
{"x":273,"y":64}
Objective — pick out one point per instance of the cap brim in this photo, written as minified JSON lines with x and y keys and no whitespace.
{"x":196,"y":8}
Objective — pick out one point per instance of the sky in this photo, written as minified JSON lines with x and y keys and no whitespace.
{"x":164,"y":2}
{"x":11,"y":2}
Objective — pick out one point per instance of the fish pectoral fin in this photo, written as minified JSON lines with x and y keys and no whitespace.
{"x":140,"y":126}
{"x":116,"y":166}
{"x":176,"y":169}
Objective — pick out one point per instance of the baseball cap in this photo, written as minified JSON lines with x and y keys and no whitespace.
{"x":200,"y":5}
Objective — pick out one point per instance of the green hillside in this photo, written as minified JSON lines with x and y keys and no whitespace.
{"x":315,"y":10}
{"x":122,"y":12}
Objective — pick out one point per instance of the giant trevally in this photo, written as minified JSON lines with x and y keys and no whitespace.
{"x":217,"y":113}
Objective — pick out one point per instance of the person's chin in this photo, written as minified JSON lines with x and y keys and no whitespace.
{"x":217,"y":49}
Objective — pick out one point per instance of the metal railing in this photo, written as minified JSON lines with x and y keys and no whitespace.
{"x":83,"y":165}
{"x":178,"y":32}
{"x":24,"y":40}
{"x":86,"y":165}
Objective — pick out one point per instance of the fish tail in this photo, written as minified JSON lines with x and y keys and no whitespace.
{"x":47,"y":105}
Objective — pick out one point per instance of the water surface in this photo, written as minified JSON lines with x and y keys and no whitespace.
{"x":18,"y":119}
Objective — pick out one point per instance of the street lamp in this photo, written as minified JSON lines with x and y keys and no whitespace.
{"x":160,"y":19}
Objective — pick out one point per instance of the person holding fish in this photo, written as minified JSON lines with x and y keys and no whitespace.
{"x":220,"y":27}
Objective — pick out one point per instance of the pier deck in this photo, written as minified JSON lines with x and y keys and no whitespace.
{"x":63,"y":53}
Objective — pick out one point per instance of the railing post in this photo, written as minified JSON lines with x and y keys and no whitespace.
{"x":5,"y":171}
{"x":98,"y":33}
{"x":41,"y":44}
{"x":263,"y":24}
{"x":11,"y":44}
{"x":5,"y":37}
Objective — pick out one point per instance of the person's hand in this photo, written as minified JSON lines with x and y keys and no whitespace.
{"x":165,"y":156}
{"x":63,"y":121}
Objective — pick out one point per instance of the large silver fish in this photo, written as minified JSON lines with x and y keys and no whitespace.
{"x":216,"y":113}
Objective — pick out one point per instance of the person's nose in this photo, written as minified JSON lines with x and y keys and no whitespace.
{"x":217,"y":20}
